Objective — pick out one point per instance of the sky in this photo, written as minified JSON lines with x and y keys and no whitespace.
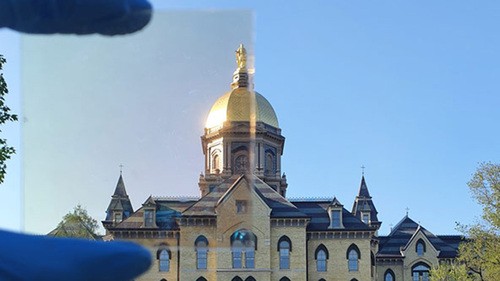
{"x":407,"y":89}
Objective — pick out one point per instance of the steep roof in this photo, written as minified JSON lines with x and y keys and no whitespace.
{"x":120,"y":187}
{"x":168,"y":209}
{"x":317,"y":210}
{"x":73,"y":228}
{"x":403,"y":232}
{"x":364,"y":203}
{"x":119,"y":201}
{"x":280,"y":207}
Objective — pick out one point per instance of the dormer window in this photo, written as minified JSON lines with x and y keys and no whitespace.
{"x":336,"y":218}
{"x":335,"y":212}
{"x":118,"y":217}
{"x":365,"y":217}
{"x":148,"y":218}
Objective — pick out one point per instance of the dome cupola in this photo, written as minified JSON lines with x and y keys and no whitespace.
{"x":241,"y":103}
{"x":242,"y":135}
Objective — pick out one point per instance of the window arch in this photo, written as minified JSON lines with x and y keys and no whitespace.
{"x":201,"y":279}
{"x":250,"y":278}
{"x":243,"y":246}
{"x":216,"y":163}
{"x":237,"y":278}
{"x":321,"y":256}
{"x":354,"y":279}
{"x":321,"y":279}
{"x":285,"y":279}
{"x":163,"y":255}
{"x":389,"y":275}
{"x":284,"y":248}
{"x":420,"y":272}
{"x":269,"y":165}
{"x":420,"y":247}
{"x":353,"y":256}
{"x":201,"y":247}
{"x":163,"y":279}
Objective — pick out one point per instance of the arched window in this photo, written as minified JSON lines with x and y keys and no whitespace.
{"x":284,"y":279}
{"x":353,"y":256}
{"x":243,"y":246}
{"x":389,"y":275}
{"x":321,"y":279}
{"x":163,"y":279}
{"x":269,"y":165}
{"x":420,"y":272}
{"x":237,"y":278}
{"x":201,"y":279}
{"x":420,"y":247}
{"x":250,"y":278}
{"x":321,"y":255}
{"x":354,"y":279}
{"x":163,"y":256}
{"x":284,"y":247}
{"x":216,"y":163}
{"x":201,"y":246}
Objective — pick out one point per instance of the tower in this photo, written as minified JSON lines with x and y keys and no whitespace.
{"x":120,"y":207}
{"x":363,"y":207}
{"x":242,"y":135}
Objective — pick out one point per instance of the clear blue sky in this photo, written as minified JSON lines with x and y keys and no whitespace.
{"x":407,"y":89}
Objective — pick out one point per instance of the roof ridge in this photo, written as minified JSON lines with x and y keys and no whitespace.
{"x":174,"y":197}
{"x":308,"y":199}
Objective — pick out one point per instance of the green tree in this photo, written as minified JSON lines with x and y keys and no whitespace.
{"x":450,"y":272}
{"x":5,"y":116}
{"x":481,"y":253}
{"x":77,"y":224}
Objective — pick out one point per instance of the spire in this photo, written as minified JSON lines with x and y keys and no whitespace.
{"x":120,"y":187}
{"x":240,"y":76}
{"x":363,"y":207}
{"x":363,"y":189}
{"x":119,"y":207}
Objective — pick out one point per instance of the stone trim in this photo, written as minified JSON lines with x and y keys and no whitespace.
{"x":289,"y":222}
{"x":339,"y":234}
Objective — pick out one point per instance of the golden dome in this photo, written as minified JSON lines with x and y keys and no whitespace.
{"x":241,"y":104}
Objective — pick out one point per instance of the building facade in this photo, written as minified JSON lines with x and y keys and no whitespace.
{"x":243,"y":227}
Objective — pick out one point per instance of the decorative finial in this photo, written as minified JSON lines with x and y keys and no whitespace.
{"x":241,"y":57}
{"x":121,"y":169}
{"x":407,"y":209}
{"x":363,"y":170}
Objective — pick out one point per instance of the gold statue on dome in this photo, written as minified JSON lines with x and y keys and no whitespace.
{"x":241,"y":57}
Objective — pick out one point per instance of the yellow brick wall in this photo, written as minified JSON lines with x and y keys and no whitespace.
{"x":154,"y":273}
{"x":412,"y":258}
{"x":337,"y":264}
{"x":255,"y":219}
{"x":188,"y":262}
{"x":297,"y":271}
{"x":395,"y":267}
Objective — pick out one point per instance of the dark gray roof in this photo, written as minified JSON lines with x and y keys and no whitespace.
{"x":119,"y":201}
{"x":280,"y":207}
{"x":401,"y":234}
{"x":317,"y":211}
{"x":120,"y":187}
{"x":364,"y":203}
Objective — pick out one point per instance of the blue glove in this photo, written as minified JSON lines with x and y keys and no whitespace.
{"x":107,"y":17}
{"x":42,"y":258}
